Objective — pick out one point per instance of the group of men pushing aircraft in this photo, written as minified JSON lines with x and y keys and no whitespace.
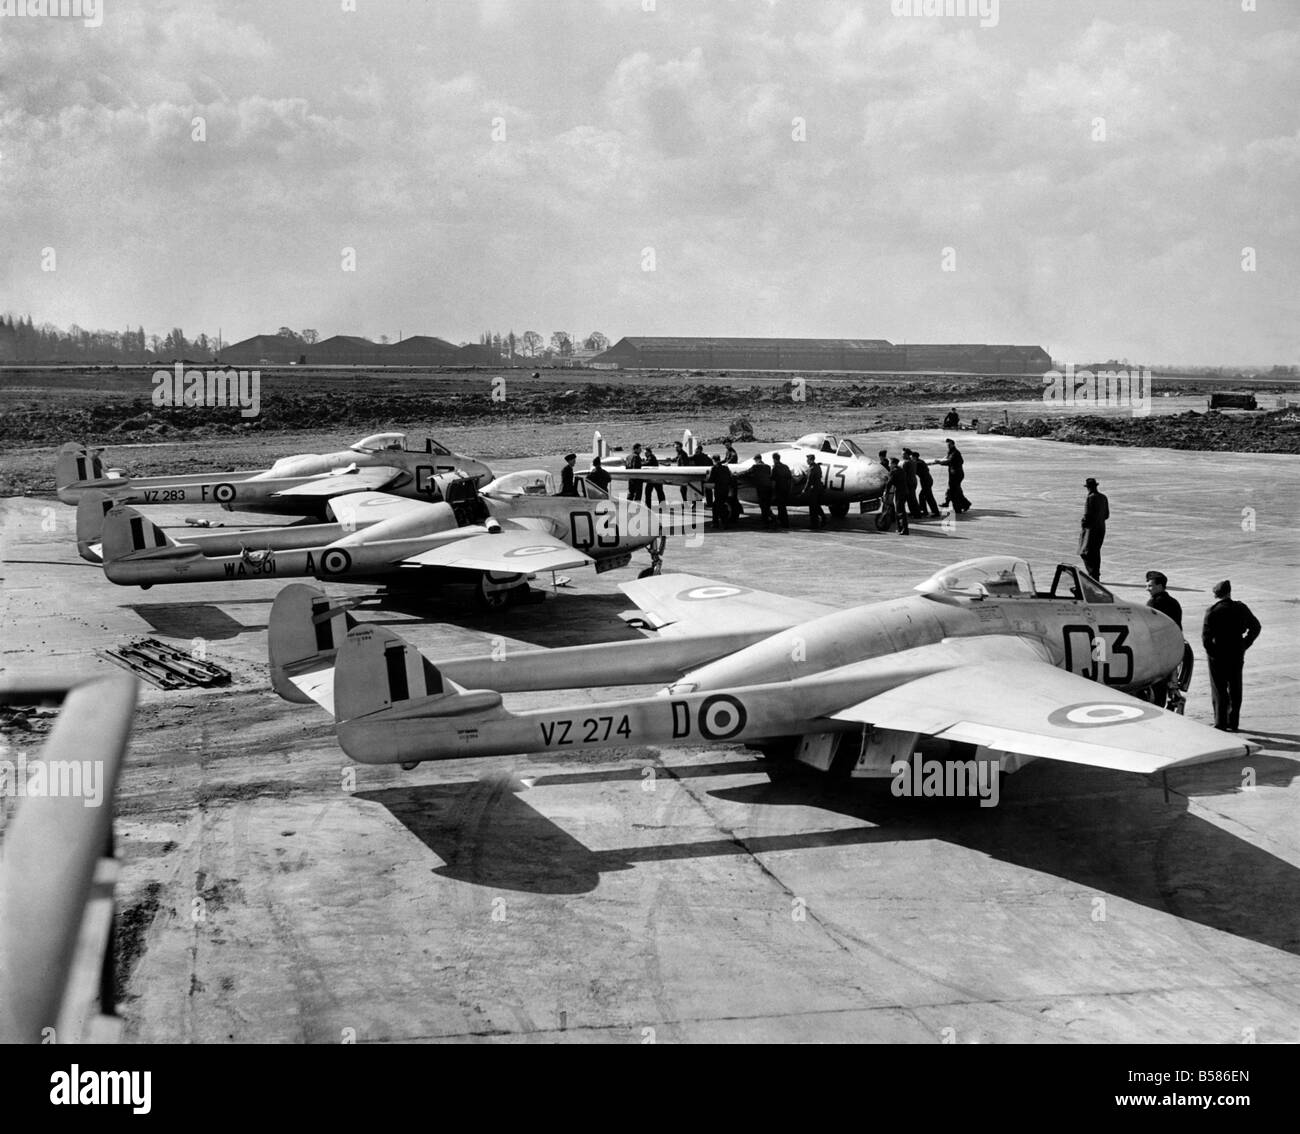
{"x":395,"y":514}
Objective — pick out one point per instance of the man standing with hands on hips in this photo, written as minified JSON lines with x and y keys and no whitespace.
{"x":1229,"y":630}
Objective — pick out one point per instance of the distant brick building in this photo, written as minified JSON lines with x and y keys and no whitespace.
{"x":684,"y":352}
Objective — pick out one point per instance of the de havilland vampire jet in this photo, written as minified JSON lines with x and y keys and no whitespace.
{"x":301,"y":485}
{"x":849,"y":476}
{"x":979,"y":658}
{"x":495,"y":537}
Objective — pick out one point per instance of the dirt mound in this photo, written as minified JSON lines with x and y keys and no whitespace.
{"x":1277,"y":431}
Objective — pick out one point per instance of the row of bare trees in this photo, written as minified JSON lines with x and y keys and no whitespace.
{"x":531,"y":344}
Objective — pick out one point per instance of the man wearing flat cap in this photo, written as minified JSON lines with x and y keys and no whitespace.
{"x":1092,"y":528}
{"x":1229,"y":630}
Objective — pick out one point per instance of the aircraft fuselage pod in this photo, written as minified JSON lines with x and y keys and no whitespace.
{"x":979,"y":657}
{"x":301,"y":485}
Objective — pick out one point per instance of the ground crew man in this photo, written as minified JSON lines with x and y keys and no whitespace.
{"x":567,"y":486}
{"x":897,"y":489}
{"x":909,"y":476}
{"x":1229,"y":630}
{"x":816,"y":518}
{"x":760,"y":476}
{"x":925,"y":479}
{"x":956,"y":474}
{"x":781,"y":478}
{"x":650,"y":461}
{"x":719,"y":478}
{"x":598,"y":476}
{"x":634,"y":462}
{"x":1160,"y":599}
{"x":1092,"y":528}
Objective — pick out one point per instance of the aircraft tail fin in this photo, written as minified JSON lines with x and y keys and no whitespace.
{"x":93,"y":506}
{"x":599,"y":447}
{"x":303,"y":638}
{"x":76,"y":464}
{"x":126,"y":532}
{"x":688,"y":442}
{"x":378,"y":672}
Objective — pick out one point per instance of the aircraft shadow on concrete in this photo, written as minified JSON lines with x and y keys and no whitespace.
{"x":190,"y":620}
{"x":1107,"y":831}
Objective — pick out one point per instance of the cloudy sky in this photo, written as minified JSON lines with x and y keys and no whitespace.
{"x":801,"y":168}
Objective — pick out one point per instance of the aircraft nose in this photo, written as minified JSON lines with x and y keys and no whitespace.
{"x":1166,"y":638}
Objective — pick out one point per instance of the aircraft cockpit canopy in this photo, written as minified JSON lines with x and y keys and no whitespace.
{"x":825,"y":442}
{"x":529,"y":482}
{"x":991,"y":576}
{"x":437,"y":448}
{"x":1005,"y":576}
{"x":381,"y":441}
{"x":849,"y":448}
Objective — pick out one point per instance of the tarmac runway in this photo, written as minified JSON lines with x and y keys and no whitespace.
{"x":272,"y":891}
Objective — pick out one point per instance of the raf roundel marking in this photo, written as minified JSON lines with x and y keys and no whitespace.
{"x":335,"y":562}
{"x":540,"y":549}
{"x":703,"y":594}
{"x":1099,"y":714}
{"x":721,"y":717}
{"x":223,"y":493}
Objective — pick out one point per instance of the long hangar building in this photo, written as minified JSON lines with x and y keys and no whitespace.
{"x":822,"y":354}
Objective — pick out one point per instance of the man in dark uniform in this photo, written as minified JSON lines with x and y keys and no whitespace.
{"x":781,"y":478}
{"x":1092,"y":528}
{"x":719,"y":478}
{"x":598,"y":476}
{"x":567,"y":486}
{"x":925,"y":479}
{"x":634,"y":462}
{"x":650,"y":461}
{"x":956,"y":474}
{"x":735,"y":511}
{"x":1160,"y":599}
{"x":816,"y":518}
{"x":1229,"y":630}
{"x":951,"y":420}
{"x":897,"y":489}
{"x":909,"y":476}
{"x":680,"y":459}
{"x":884,"y":459}
{"x":760,"y":476}
{"x":701,"y":459}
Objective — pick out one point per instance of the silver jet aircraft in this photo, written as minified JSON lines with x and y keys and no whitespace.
{"x":495,"y":537}
{"x":849,"y":476}
{"x":302,"y":485}
{"x":979,"y":658}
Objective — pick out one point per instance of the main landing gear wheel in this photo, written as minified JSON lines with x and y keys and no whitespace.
{"x":656,"y":549}
{"x":492,"y":596}
{"x":410,"y":765}
{"x":839,"y":510}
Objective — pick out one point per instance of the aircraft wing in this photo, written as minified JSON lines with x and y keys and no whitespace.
{"x":686,"y":605}
{"x":1035,"y":709}
{"x":358,"y":509}
{"x":658,"y":474}
{"x":518,"y":551}
{"x":337,"y":484}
